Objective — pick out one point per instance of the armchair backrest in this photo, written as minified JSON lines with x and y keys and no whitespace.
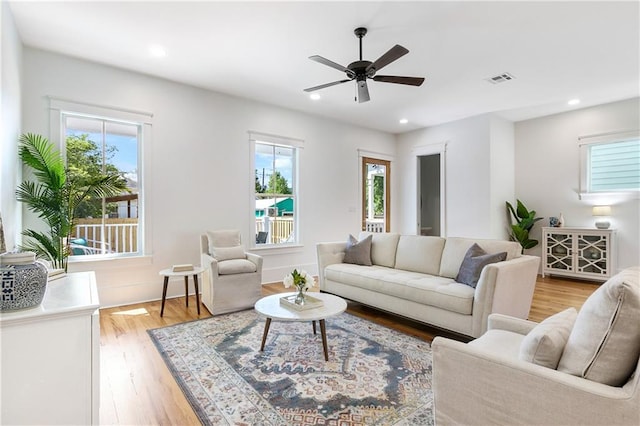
{"x":224,"y":238}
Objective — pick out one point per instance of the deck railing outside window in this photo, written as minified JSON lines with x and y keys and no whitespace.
{"x":114,"y":236}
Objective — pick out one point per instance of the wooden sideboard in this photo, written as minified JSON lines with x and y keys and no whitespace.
{"x":51,"y":356}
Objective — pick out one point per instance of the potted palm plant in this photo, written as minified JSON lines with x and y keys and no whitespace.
{"x":55,"y":194}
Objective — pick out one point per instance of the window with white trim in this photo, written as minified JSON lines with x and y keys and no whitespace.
{"x":610,"y":163}
{"x":98,"y":140}
{"x":275,"y":212}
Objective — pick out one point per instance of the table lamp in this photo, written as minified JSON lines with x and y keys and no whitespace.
{"x":601,"y":212}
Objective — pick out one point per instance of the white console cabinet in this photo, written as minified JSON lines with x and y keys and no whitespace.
{"x":584,"y":253}
{"x":50,"y":356}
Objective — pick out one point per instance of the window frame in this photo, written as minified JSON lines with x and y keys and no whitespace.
{"x":59,"y":109}
{"x":297,"y":146}
{"x":585,"y":143}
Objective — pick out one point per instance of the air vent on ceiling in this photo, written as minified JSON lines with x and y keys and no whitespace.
{"x":500,"y":78}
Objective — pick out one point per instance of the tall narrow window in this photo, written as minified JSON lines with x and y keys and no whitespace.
{"x":105,"y":226}
{"x":275,"y":192}
{"x":376,"y":175}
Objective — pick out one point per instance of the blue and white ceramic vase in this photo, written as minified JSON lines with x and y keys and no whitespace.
{"x":24,"y":281}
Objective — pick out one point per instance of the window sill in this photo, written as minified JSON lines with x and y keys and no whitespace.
{"x":607,"y":198}
{"x":274,"y":249}
{"x":81,"y":262}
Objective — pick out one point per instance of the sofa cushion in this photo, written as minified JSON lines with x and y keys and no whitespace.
{"x":430,"y":290}
{"x":419,"y":254}
{"x":228,"y":253}
{"x":383,"y":247}
{"x":456,"y":248}
{"x":236,"y":266}
{"x":474,"y":261}
{"x":604,"y":345}
{"x":544,"y":344}
{"x":358,"y":252}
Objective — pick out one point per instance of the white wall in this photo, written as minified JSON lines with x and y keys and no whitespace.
{"x":472,"y":203}
{"x":10,"y":110}
{"x":502,"y":174}
{"x":547,"y":171}
{"x":198,"y":177}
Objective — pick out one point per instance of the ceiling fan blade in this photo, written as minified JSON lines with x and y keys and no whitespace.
{"x":392,"y":54}
{"x":411,"y":81}
{"x":322,"y":86}
{"x":331,"y":64}
{"x":363,"y":91}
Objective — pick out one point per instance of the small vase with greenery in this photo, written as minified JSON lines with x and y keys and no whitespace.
{"x":55,"y":194}
{"x":525,"y":220}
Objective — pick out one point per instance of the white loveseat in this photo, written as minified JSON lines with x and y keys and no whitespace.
{"x":414,"y":276}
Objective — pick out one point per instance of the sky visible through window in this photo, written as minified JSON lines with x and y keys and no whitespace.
{"x":264,"y":162}
{"x":125,"y":157}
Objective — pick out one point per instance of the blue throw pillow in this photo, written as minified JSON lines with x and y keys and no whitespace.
{"x":474,"y":260}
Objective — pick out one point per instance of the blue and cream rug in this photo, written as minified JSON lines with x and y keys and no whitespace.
{"x":374,"y":376}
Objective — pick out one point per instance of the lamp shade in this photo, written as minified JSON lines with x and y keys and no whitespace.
{"x":601,"y":211}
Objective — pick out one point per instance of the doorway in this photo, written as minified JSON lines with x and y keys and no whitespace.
{"x":430,"y":184}
{"x":376,"y":178}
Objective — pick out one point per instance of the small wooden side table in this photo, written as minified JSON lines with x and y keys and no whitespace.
{"x":167,"y":273}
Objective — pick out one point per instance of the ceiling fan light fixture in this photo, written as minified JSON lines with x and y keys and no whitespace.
{"x":361,"y":70}
{"x":573,"y":102}
{"x":315,"y":96}
{"x":403,"y":121}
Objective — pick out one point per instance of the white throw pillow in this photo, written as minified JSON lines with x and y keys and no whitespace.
{"x":228,"y":253}
{"x":544,"y":344}
{"x":604,"y":344}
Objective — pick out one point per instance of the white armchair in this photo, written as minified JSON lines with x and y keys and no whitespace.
{"x":491,"y":381}
{"x":232,"y":278}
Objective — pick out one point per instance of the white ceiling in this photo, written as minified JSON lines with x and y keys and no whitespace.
{"x":259,"y":50}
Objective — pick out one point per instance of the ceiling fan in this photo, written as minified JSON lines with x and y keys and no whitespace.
{"x":361,"y":70}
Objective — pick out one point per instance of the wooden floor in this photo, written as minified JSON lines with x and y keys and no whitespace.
{"x":138,"y":389}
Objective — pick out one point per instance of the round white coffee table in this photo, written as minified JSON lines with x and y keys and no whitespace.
{"x":270,"y":308}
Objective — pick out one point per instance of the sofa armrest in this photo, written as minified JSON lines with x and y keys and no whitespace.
{"x":507,"y":323}
{"x":472,"y":386}
{"x":505,"y":288}
{"x":328,"y":254}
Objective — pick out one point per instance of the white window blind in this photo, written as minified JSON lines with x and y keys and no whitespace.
{"x":614,"y":166}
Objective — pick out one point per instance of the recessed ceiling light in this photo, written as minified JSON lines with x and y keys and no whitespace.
{"x":314,"y":96}
{"x":574,"y":102}
{"x":403,"y":121}
{"x":157,"y":51}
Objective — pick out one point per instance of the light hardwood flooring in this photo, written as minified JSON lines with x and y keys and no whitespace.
{"x":137,"y":388}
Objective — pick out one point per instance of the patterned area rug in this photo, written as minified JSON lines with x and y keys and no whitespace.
{"x":374,"y":376}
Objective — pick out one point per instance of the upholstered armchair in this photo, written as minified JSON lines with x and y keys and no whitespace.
{"x":232,"y":278}
{"x":574,"y":368}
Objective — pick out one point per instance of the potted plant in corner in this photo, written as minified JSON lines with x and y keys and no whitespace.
{"x":525,"y":220}
{"x":54,"y":196}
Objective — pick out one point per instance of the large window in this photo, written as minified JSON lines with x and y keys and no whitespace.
{"x":610,"y":164}
{"x":275,"y":199}
{"x":94,"y":145}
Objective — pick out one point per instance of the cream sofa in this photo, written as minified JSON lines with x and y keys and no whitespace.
{"x":585,"y":368}
{"x":414,"y":276}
